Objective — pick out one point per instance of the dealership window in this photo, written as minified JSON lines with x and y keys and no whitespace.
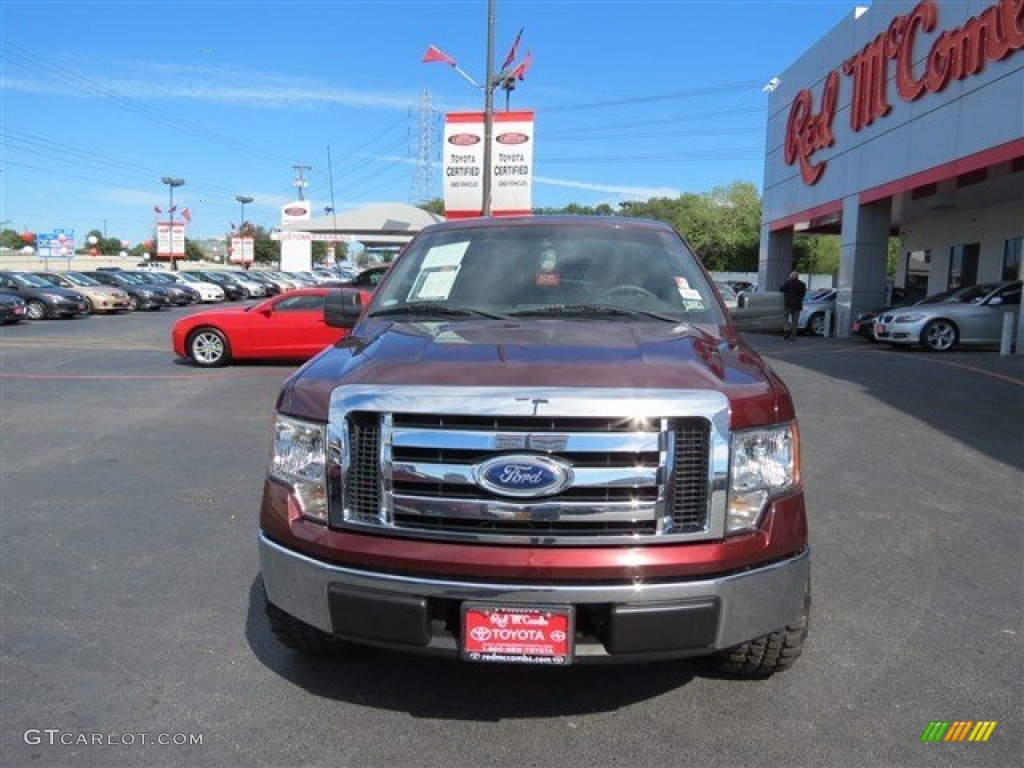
{"x":1011,"y":258}
{"x":919,"y":268}
{"x":963,"y":265}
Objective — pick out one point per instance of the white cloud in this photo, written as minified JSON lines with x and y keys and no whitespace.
{"x":224,"y":85}
{"x":639,"y":193}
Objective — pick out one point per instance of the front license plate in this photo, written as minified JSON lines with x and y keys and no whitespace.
{"x":879,"y":329}
{"x":517,"y":634}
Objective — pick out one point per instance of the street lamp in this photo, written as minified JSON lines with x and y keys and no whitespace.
{"x":490,"y":83}
{"x":243,"y":199}
{"x":172,"y":182}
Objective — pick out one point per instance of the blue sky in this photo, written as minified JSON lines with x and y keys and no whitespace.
{"x":633,"y":100}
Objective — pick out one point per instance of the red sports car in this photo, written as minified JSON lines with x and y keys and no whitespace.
{"x":287,"y":327}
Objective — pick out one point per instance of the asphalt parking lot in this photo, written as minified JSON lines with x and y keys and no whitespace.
{"x":131,"y":610}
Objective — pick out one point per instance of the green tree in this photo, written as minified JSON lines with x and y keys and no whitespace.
{"x":434,"y":205}
{"x":816,"y":254}
{"x":265,"y":250}
{"x":192,"y":251}
{"x":104,"y":245}
{"x":11,"y":238}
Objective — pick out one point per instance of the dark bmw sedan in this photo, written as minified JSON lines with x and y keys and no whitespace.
{"x":141,"y":295}
{"x":43,"y":300}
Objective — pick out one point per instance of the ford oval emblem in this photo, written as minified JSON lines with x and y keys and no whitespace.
{"x":512,"y":138}
{"x":523,"y":476}
{"x":296,"y":210}
{"x":463,"y":139}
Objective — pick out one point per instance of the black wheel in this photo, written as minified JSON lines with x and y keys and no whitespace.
{"x":816,"y":324}
{"x":36,"y":310}
{"x":208,"y":348}
{"x":133,"y":301}
{"x":771,"y":653}
{"x":300,"y":636}
{"x":939,"y":336}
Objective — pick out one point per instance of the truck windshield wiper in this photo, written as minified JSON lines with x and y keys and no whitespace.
{"x":590,"y":310}
{"x":433,"y":308}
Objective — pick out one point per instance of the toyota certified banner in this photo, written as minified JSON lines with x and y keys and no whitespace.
{"x":170,"y":243}
{"x":511,"y":163}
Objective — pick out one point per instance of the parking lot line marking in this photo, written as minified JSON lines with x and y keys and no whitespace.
{"x":787,"y":352}
{"x":964,"y":367}
{"x":141,"y":376}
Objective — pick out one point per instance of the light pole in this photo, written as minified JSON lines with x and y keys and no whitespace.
{"x":172,"y":182}
{"x":243,"y":199}
{"x":490,"y":83}
{"x":488,"y":110}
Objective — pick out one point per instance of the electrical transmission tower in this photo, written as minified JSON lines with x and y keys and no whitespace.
{"x":300,"y":183}
{"x":422,"y":187}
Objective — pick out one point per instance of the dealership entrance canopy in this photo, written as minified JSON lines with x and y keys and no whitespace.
{"x":905,"y":121}
{"x":376,"y":226}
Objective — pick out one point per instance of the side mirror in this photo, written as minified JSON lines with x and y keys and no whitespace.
{"x":741,"y":301}
{"x":342,"y":307}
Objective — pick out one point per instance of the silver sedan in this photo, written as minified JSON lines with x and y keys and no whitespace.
{"x":971,"y":317}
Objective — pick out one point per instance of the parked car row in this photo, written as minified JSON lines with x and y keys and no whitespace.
{"x":972,"y":316}
{"x":67,"y":293}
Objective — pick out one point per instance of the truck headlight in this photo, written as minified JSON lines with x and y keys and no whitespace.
{"x":763,"y":463}
{"x":299,"y":459}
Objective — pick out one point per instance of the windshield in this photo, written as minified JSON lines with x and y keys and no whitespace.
{"x":560,"y":269}
{"x":972,"y":294}
{"x":78,"y":279}
{"x":33,"y":280}
{"x":216,"y":278}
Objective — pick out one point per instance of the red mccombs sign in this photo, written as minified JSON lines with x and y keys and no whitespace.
{"x":992,"y":35}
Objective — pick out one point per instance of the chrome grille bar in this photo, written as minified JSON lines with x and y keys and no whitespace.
{"x":654,"y":468}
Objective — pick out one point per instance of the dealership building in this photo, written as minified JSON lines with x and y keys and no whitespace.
{"x":905,"y":121}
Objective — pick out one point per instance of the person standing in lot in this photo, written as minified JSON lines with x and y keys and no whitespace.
{"x":793,"y":292}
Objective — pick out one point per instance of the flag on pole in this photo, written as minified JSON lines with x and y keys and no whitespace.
{"x":173,"y":208}
{"x":436,"y":54}
{"x":519,"y":71}
{"x":156,"y":209}
{"x":186,"y":214}
{"x":513,"y":51}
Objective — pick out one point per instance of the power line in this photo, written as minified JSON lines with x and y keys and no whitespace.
{"x":128,"y":103}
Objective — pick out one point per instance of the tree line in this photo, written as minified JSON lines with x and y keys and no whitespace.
{"x":723,"y":226}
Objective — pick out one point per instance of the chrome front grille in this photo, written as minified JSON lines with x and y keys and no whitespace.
{"x":656,"y":472}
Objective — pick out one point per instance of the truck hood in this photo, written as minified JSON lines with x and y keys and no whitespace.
{"x":540,"y":353}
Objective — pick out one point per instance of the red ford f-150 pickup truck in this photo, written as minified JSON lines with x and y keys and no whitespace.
{"x":542,"y":441}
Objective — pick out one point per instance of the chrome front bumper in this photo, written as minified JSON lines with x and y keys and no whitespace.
{"x":736,"y":607}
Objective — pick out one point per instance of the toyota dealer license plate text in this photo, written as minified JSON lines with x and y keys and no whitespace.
{"x":516,"y":634}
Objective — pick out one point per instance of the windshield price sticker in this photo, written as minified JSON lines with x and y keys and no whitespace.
{"x":518,"y":635}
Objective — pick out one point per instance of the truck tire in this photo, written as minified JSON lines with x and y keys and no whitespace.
{"x":300,"y":636}
{"x":771,"y":653}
